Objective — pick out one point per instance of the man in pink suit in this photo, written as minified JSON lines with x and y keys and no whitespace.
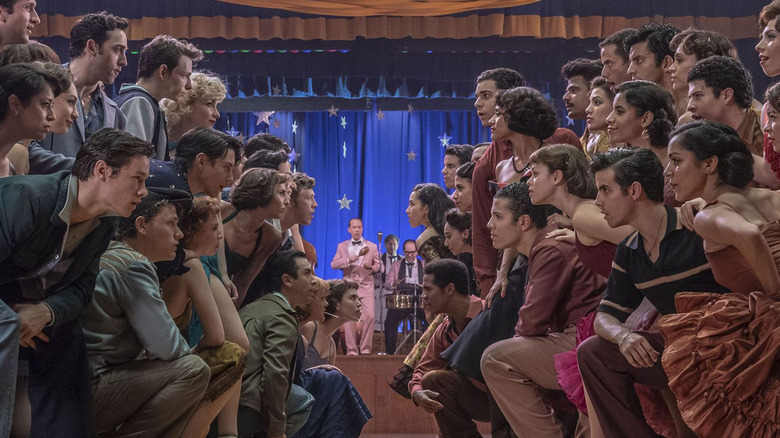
{"x":359,"y":259}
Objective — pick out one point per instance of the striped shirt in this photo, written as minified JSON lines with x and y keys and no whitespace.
{"x":681,"y":267}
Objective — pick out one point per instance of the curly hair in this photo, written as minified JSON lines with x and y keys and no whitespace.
{"x":438,"y":203}
{"x":336,"y":294}
{"x":703,"y":44}
{"x":526,"y":111}
{"x":302,"y":181}
{"x":519,"y":203}
{"x":204,"y":86}
{"x":459,"y":220}
{"x":707,"y":139}
{"x":772,"y":96}
{"x":646,"y":96}
{"x":203,"y":207}
{"x":29,"y":52}
{"x":587,"y":68}
{"x":769,"y":13}
{"x":721,"y":72}
{"x":573,"y":163}
{"x":255,"y":188}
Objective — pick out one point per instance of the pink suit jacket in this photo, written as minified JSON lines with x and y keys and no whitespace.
{"x":355,"y":271}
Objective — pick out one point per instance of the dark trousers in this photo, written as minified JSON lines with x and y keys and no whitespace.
{"x":394,"y":316}
{"x":60,"y":387}
{"x":609,"y":380}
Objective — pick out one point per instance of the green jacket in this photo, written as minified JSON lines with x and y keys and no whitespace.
{"x":31,"y":235}
{"x":272,"y":328}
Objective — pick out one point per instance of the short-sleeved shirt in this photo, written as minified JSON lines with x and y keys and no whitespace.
{"x":681,"y":267}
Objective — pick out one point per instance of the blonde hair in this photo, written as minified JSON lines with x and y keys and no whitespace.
{"x":204,"y":86}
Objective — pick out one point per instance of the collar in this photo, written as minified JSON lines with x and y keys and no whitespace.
{"x":71,"y":195}
{"x":672,"y":224}
{"x":284,"y":298}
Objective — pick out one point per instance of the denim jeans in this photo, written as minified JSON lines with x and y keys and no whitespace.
{"x":10,"y":332}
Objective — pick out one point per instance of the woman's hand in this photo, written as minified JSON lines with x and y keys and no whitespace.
{"x":560,"y":220}
{"x":562,"y":235}
{"x":498,"y":287}
{"x":688,"y":212}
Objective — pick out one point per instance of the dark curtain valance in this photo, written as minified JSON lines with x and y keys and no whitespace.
{"x":365,"y":8}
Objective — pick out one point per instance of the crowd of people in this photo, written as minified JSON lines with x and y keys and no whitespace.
{"x":154,"y":280}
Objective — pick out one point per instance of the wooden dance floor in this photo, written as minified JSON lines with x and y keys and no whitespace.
{"x":394,"y":416}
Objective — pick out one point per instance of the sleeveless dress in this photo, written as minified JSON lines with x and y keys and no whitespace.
{"x":722,"y":350}
{"x":338,"y":409}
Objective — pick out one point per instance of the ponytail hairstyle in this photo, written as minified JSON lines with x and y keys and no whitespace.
{"x":466,"y":170}
{"x":573,"y":163}
{"x":707,"y":139}
{"x":460,"y":220}
{"x":438,"y":203}
{"x":646,"y":96}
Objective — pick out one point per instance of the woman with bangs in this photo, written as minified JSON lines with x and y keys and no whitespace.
{"x":27,"y":93}
{"x":689,"y":47}
{"x":197,"y":107}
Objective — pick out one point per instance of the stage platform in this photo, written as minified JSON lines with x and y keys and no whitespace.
{"x":394,"y":416}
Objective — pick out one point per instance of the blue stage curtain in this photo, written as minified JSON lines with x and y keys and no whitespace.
{"x":376,"y":173}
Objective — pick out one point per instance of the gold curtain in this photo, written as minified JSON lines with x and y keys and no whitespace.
{"x":367,"y":8}
{"x":349,"y":28}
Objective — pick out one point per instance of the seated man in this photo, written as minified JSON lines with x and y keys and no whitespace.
{"x":145,"y":382}
{"x":408,"y":274}
{"x":272,"y":327}
{"x":657,"y":261}
{"x":560,"y":291}
{"x":446,"y":393}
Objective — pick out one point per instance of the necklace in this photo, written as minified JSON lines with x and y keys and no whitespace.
{"x":657,"y":236}
{"x":514,"y":166}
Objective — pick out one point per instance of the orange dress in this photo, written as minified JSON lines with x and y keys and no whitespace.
{"x":722,"y":351}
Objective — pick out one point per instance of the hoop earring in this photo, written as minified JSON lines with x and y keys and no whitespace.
{"x":645,"y":134}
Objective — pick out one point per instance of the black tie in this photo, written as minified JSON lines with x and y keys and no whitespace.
{"x":357,"y":242}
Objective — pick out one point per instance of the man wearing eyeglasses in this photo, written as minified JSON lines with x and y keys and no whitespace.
{"x":407,"y":271}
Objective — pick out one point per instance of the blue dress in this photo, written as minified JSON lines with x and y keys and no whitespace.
{"x":338,"y":411}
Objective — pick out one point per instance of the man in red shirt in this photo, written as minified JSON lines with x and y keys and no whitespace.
{"x":435,"y":388}
{"x":489,"y":83}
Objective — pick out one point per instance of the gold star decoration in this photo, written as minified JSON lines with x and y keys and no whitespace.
{"x":344,"y":202}
{"x":410,"y":156}
{"x":263,"y":117}
{"x":333,"y":111}
{"x":380,"y":115}
{"x":275,"y":91}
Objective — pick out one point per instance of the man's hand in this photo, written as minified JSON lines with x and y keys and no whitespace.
{"x":34,"y":318}
{"x":498,"y":286}
{"x":560,"y":220}
{"x":425,"y":399}
{"x":231,"y":289}
{"x":638,"y":352}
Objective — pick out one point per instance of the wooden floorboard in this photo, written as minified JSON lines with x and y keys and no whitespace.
{"x":394,"y":416}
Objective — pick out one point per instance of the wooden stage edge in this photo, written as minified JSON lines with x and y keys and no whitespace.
{"x":393,"y":414}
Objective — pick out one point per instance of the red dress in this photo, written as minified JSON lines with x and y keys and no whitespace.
{"x":722,"y":351}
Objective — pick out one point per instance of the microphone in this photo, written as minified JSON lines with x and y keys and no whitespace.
{"x":379,"y":236}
